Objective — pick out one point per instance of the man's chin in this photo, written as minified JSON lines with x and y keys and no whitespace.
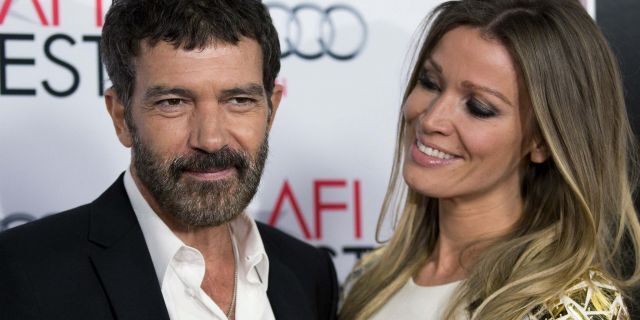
{"x":203,"y":218}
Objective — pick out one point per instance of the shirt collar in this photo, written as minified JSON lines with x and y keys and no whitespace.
{"x":252,"y":258}
{"x":163,"y":244}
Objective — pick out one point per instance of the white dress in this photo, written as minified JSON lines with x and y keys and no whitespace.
{"x":417,"y":302}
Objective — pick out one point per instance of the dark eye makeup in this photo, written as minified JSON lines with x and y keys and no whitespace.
{"x":475,"y":107}
{"x":424,"y":80}
{"x":479,"y":109}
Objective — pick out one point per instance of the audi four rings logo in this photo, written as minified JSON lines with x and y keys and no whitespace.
{"x":310,"y":32}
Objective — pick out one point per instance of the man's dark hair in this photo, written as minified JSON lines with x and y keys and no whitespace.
{"x":188,"y":24}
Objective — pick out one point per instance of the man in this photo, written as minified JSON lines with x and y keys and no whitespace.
{"x":194,"y":96}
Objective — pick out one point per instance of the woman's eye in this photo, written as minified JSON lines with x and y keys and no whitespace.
{"x":479,"y":109}
{"x":427,"y":83}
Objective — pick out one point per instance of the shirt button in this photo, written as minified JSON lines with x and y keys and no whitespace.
{"x":190,"y":292}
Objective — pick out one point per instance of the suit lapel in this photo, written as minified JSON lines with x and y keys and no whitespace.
{"x":286,"y":295}
{"x":121,"y":258}
{"x":285,"y":292}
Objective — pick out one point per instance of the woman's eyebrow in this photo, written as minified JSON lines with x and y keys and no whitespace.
{"x":495,"y":93}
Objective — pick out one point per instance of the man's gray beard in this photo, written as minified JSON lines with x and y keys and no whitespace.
{"x":196,"y":203}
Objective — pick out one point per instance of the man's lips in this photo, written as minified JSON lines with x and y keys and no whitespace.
{"x":211,"y":174}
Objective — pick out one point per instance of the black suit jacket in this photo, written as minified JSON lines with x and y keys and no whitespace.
{"x":92,"y":262}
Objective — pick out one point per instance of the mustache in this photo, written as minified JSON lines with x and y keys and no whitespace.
{"x":205,"y":161}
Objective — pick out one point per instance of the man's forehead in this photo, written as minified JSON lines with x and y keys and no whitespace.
{"x":218,"y":67}
{"x":245,"y":56}
{"x":244,"y":44}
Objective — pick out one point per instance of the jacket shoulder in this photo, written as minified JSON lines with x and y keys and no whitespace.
{"x":296,"y":265}
{"x":48,"y":231}
{"x":368,"y":261}
{"x":279,"y":243}
{"x":38,"y":259}
{"x":593,"y":296}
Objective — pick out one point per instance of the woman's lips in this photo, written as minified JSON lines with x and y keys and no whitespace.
{"x":430,"y":157}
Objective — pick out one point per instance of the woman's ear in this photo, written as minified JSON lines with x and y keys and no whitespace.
{"x":539,"y":151}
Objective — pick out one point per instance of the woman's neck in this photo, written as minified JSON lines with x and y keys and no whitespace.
{"x":466,"y":227}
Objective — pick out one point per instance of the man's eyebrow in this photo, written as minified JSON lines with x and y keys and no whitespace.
{"x":157,"y":91}
{"x":497,"y":94}
{"x":252,"y":89}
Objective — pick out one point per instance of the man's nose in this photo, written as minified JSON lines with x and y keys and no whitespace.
{"x":208,"y":125}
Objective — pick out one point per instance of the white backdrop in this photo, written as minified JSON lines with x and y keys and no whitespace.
{"x":331,"y":145}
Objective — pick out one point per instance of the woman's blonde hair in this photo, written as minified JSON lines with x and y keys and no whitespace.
{"x":578,"y":208}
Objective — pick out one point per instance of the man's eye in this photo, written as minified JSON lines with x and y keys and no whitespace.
{"x":170,"y":102}
{"x":241,"y":100}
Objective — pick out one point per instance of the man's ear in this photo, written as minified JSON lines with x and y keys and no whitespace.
{"x":275,"y":98}
{"x":539,"y":151}
{"x":116,"y":111}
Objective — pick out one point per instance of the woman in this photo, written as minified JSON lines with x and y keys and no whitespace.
{"x":513,"y":173}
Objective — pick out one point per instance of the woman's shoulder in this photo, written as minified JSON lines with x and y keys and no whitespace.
{"x":365,"y":263}
{"x":361,"y":267}
{"x":593,"y":296}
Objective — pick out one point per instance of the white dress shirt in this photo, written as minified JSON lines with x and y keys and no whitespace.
{"x":180,"y":269}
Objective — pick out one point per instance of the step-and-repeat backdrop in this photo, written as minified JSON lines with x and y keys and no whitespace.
{"x":331,"y":146}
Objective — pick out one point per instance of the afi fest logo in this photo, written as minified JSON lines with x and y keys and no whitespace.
{"x":349,"y":209}
{"x":44,"y":32}
{"x":320,"y":207}
{"x":53,"y":19}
